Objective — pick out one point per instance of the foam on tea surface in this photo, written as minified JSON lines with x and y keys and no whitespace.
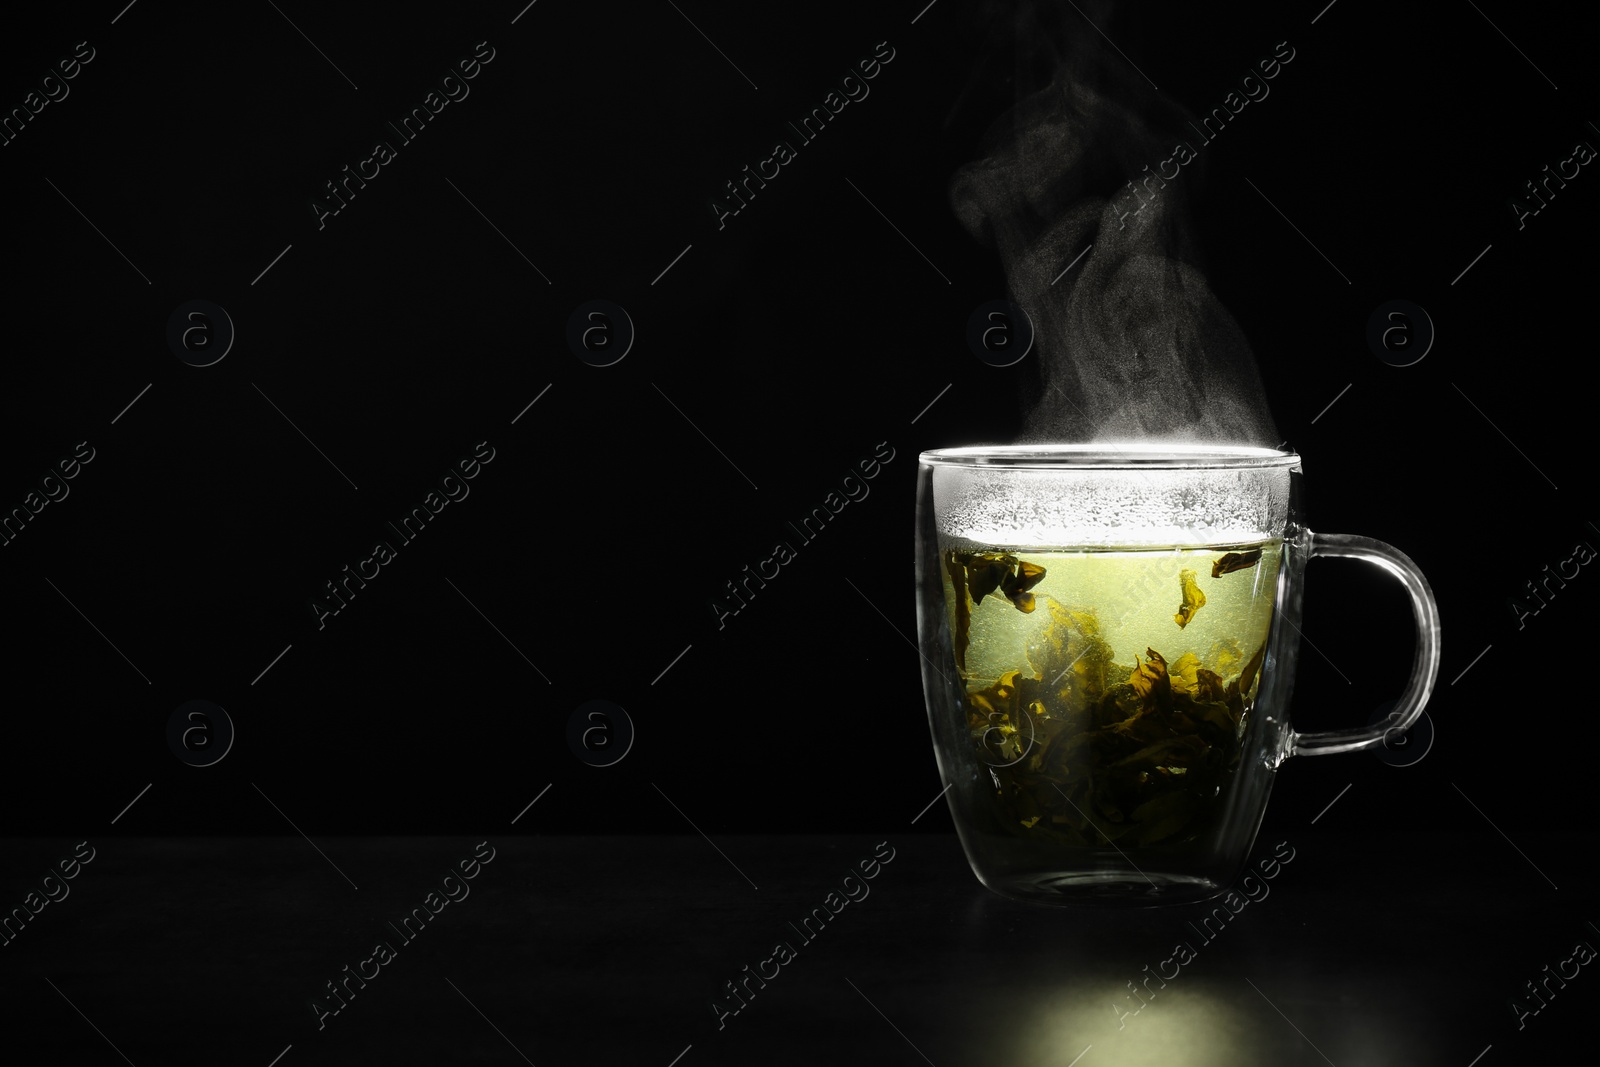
{"x":1100,"y":507}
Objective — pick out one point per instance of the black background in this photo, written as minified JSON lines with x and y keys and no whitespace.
{"x":796,"y":339}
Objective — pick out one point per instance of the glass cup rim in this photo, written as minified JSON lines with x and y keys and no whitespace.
{"x":1134,"y":455}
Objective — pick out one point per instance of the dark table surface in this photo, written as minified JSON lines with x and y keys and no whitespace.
{"x":564,"y":950}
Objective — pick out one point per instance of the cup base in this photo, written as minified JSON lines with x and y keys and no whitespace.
{"x":1105,"y":888}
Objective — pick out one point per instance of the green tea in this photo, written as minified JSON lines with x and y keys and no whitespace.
{"x":1108,"y":691}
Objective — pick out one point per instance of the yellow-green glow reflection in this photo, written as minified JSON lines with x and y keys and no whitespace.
{"x":1189,"y":1023}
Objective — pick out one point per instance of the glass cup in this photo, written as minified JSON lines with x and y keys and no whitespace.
{"x":1108,"y":637}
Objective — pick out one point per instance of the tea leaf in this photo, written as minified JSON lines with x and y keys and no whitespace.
{"x":1183,"y":672}
{"x":1193,"y":599}
{"x":1151,"y":680}
{"x":1247,"y":677}
{"x":1208,"y":686}
{"x":1235,"y":561}
{"x":1069,"y":656}
{"x":961,"y":604}
{"x":984,"y":575}
{"x":1016,"y":583}
{"x":973,"y":576}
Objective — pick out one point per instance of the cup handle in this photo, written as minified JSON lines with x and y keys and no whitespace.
{"x":1424,"y":669}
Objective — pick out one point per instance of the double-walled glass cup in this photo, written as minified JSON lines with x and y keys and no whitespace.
{"x":1108,"y":638}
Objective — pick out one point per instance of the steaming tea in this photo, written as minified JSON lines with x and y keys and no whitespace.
{"x":1108,"y":691}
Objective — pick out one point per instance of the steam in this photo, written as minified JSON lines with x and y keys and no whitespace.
{"x":1131,"y":342}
